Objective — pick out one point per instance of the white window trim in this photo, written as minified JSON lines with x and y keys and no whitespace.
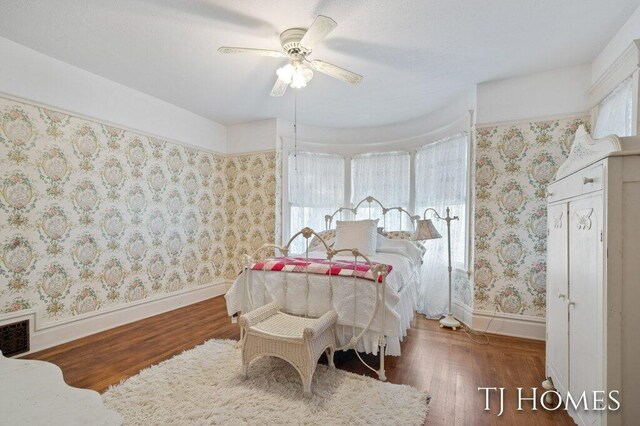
{"x":635,"y":124}
{"x":635,"y":107}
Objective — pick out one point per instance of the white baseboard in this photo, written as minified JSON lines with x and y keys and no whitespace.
{"x":47,"y":334}
{"x":463,"y":313}
{"x":524,"y":326}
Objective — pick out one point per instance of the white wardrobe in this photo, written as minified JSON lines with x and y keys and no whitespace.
{"x":593,"y":279}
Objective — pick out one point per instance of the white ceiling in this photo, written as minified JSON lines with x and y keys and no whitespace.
{"x":416,"y":56}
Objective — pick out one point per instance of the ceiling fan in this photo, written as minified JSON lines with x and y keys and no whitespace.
{"x":297,"y":44}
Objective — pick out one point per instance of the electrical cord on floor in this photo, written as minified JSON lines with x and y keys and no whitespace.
{"x":471,"y":332}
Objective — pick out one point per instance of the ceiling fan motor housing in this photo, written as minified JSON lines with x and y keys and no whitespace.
{"x":290,"y":41}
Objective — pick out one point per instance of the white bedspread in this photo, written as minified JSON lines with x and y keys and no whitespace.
{"x":289,"y":290}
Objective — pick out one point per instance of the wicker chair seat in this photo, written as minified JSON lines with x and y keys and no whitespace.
{"x":285,"y":326}
{"x":299,"y":341}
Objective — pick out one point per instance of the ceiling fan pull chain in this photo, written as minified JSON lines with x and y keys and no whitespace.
{"x":295,"y":129}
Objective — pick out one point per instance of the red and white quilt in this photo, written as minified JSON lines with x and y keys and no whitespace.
{"x":344,"y":268}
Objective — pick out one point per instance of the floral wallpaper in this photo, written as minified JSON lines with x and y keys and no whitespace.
{"x":513,"y":166}
{"x":93,"y":216}
{"x":251,"y":203}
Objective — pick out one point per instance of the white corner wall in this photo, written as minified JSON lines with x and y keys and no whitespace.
{"x":436,"y":125}
{"x":619,"y":42}
{"x":549,"y":94}
{"x":254,"y":136}
{"x":31,"y":75}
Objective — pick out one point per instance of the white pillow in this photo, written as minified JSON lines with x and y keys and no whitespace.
{"x":358,"y":234}
{"x":407,"y":248}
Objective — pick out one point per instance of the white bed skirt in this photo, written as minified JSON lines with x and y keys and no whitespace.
{"x":406,"y":308}
{"x":269,"y":286}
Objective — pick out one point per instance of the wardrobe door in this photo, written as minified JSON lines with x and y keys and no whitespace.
{"x":586,"y":363}
{"x":557,"y":294}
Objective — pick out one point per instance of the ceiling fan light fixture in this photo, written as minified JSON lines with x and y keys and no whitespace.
{"x":296,"y":75}
{"x":301,"y":76}
{"x":285,"y":73}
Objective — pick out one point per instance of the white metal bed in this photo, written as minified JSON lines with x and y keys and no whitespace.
{"x":372,"y":315}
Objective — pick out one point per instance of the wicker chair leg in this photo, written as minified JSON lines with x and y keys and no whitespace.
{"x":244,"y":369}
{"x":306,"y":386}
{"x":330,"y":352}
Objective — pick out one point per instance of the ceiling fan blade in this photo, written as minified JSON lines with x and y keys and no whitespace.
{"x":259,"y":52}
{"x":279,"y":88}
{"x":320,"y":28}
{"x":336,"y":72}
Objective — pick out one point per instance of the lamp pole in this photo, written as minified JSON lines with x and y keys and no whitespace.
{"x":449,"y":320}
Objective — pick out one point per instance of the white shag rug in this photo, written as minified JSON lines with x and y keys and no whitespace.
{"x":202,"y":386}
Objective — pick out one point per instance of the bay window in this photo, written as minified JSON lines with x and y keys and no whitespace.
{"x":441,"y":182}
{"x":316,"y":188}
{"x":385,"y":176}
{"x":435,"y":175}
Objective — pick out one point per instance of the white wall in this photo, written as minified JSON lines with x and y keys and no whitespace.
{"x":337,"y":139}
{"x":333,"y":141}
{"x":278,"y":134}
{"x":619,"y":42}
{"x":251,"y":137}
{"x":28,"y":74}
{"x":541,"y":95}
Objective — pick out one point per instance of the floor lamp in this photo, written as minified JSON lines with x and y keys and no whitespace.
{"x":426,"y":231}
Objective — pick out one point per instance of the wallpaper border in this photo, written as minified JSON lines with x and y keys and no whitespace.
{"x":243,"y":154}
{"x":567,"y":116}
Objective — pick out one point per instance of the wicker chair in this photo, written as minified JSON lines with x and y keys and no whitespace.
{"x":299,"y":341}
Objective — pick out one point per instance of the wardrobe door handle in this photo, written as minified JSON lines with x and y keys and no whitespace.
{"x":587,"y":180}
{"x":561,"y":296}
{"x":571,"y":303}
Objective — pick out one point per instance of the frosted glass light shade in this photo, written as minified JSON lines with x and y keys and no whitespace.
{"x":285,"y":73}
{"x":301,"y":76}
{"x":296,"y":75}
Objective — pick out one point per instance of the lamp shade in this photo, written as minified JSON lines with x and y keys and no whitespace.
{"x":426,"y":231}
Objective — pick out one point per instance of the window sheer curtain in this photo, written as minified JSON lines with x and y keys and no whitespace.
{"x":441,"y":181}
{"x":316,"y":188}
{"x":614,"y":112}
{"x":386,"y":177}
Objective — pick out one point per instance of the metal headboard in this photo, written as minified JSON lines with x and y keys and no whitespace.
{"x":413,"y":219}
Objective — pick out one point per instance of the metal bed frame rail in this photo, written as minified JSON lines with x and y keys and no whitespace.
{"x":379,"y":272}
{"x":328,"y":219}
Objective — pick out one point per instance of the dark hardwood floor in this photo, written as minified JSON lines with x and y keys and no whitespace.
{"x":443,"y":362}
